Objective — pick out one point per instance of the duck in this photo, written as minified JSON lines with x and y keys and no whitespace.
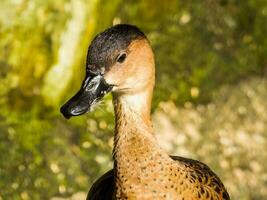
{"x":120,"y":60}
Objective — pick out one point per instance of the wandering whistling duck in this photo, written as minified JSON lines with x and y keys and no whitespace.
{"x":120,"y":60}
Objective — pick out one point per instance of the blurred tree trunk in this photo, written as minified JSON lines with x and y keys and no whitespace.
{"x":62,"y":71}
{"x":88,"y":17}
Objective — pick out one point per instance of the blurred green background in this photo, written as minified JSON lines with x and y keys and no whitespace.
{"x":210,"y":99}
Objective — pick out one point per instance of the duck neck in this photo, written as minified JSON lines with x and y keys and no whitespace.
{"x":132,"y":115}
{"x":135,"y":147}
{"x":133,"y":105}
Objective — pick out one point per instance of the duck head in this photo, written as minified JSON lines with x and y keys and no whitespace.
{"x":119,"y":60}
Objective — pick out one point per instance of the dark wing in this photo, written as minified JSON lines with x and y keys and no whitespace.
{"x":199,"y":172}
{"x":103,"y":188}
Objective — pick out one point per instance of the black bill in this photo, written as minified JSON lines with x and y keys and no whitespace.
{"x":93,"y":89}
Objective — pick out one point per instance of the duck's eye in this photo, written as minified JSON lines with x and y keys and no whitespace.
{"x":121,"y":58}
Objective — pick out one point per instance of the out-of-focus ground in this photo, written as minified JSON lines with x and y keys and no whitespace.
{"x":228,"y":134}
{"x":209,"y":102}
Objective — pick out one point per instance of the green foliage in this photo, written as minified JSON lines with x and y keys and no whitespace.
{"x":42,"y":157}
{"x":199,"y":46}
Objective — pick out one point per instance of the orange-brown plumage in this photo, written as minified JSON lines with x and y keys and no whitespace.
{"x":142,"y":170}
